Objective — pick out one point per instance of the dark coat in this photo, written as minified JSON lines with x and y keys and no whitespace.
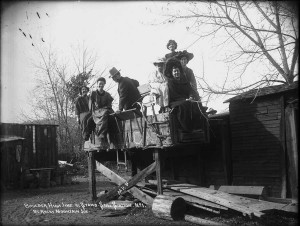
{"x":128,"y":93}
{"x":81,"y":105}
{"x":171,"y":55}
{"x":103,"y":100}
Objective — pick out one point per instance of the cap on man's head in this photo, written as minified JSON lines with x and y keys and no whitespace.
{"x":113,"y":72}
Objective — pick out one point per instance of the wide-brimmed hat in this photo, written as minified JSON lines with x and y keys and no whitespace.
{"x":170,"y":64}
{"x":159,"y":61}
{"x":113,"y":72}
{"x":186,"y":54}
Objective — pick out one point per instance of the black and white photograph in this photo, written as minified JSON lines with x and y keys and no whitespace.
{"x":149,"y":113}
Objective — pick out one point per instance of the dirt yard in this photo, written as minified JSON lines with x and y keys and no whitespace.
{"x":68,"y":205}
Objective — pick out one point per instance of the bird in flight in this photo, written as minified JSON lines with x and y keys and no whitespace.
{"x":38,"y":15}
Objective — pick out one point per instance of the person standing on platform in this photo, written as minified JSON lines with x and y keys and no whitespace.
{"x":127,"y":90}
{"x":101,"y":106}
{"x":83,"y":113}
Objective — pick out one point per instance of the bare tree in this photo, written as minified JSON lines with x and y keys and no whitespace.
{"x":254,"y":32}
{"x":52,"y":99}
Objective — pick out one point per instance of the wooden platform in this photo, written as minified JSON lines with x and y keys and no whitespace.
{"x":131,"y":129}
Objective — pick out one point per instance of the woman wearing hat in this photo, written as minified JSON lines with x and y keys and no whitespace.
{"x":158,"y":84}
{"x":180,"y":92}
{"x":184,"y":58}
{"x":83,"y":113}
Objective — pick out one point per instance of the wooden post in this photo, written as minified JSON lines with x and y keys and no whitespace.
{"x":226,"y":152}
{"x":92,"y":176}
{"x":283,"y":149}
{"x":291,"y":148}
{"x":145,"y":127}
{"x":158,"y":171}
{"x":201,"y":169}
{"x":169,"y":207}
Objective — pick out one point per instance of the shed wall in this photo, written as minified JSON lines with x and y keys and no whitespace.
{"x":40,"y":143}
{"x":256,"y":143}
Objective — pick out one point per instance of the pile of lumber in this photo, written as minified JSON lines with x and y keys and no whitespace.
{"x":225,"y":198}
{"x":172,"y":204}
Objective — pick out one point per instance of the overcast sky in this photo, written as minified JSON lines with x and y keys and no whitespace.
{"x":120,"y":33}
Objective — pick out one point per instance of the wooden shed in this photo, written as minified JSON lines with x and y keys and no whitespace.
{"x":40,"y":144}
{"x":12,"y":159}
{"x":264,"y":139}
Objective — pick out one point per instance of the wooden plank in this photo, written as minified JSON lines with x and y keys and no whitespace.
{"x":192,"y":199}
{"x":137,"y":193}
{"x":237,"y":203}
{"x":200,"y":221}
{"x":92,"y":177}
{"x":127,"y":185}
{"x":243,"y":190}
{"x":245,"y":205}
{"x":292,"y":151}
{"x":158,"y":171}
{"x":283,"y":150}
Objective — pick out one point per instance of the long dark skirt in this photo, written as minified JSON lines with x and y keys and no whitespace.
{"x":189,"y":115}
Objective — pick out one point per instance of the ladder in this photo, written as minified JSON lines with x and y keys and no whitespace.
{"x":122,"y":162}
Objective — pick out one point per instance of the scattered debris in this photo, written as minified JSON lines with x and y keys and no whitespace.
{"x":201,"y":221}
{"x":137,"y":193}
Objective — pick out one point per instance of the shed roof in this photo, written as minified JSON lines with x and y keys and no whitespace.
{"x":10,"y":138}
{"x":264,"y":91}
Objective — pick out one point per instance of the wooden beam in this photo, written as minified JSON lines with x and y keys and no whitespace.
{"x":158,"y":171}
{"x":145,"y":128}
{"x":244,"y":190}
{"x":193,"y":200}
{"x":201,"y":221}
{"x":221,"y":198}
{"x":92,"y":177}
{"x":291,"y":148}
{"x":226,"y":155}
{"x":127,"y":185}
{"x":245,"y":205}
{"x":137,"y":193}
{"x":282,"y":149}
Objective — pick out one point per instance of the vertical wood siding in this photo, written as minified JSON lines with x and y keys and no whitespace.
{"x":45,"y":143}
{"x":256,"y":149}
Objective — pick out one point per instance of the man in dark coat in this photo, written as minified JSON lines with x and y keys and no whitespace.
{"x":83,"y":113}
{"x":127,"y":89}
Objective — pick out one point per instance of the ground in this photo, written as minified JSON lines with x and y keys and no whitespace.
{"x":17,"y":209}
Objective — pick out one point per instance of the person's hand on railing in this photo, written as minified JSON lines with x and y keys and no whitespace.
{"x":190,"y":98}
